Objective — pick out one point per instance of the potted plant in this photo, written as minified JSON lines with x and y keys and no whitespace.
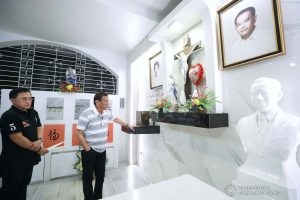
{"x":78,"y":164}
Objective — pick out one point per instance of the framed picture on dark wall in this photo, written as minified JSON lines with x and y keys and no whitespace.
{"x":249,"y":31}
{"x":155,"y":68}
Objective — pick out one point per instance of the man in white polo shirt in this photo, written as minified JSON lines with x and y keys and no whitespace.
{"x":92,"y":135}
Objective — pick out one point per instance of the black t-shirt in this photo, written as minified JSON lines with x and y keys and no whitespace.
{"x":14,"y":121}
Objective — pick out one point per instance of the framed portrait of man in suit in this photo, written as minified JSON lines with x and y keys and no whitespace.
{"x":249,"y":31}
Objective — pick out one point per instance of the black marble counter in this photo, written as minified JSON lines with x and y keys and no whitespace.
{"x":209,"y":120}
{"x":142,"y":130}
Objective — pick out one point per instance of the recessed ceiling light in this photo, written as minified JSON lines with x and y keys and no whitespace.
{"x":175,"y":26}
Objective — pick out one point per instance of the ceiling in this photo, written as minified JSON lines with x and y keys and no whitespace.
{"x":115,"y":26}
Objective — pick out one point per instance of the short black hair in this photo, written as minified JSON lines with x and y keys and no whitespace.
{"x":98,"y":96}
{"x":14,"y":92}
{"x":251,"y":9}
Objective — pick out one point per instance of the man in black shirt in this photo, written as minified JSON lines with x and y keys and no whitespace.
{"x":22,"y":139}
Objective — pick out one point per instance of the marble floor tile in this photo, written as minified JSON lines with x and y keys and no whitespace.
{"x":122,"y":179}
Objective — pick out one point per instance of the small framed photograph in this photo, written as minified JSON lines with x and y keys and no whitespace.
{"x":156,"y":76}
{"x":249,"y":31}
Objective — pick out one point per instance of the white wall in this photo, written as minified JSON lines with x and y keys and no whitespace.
{"x":213,"y":155}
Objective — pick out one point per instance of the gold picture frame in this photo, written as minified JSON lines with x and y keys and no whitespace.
{"x":249,"y":31}
{"x":156,"y":76}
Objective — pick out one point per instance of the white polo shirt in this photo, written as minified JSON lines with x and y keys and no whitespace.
{"x":94,"y":126}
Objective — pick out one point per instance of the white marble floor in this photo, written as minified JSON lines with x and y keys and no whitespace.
{"x":122,"y":179}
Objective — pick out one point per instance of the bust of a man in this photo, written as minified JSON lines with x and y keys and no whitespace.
{"x":261,"y":131}
{"x":270,"y":136}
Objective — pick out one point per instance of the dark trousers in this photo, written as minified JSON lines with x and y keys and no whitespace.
{"x":15,"y":180}
{"x":93,"y":162}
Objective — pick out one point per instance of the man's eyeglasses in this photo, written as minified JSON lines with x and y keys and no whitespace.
{"x":26,"y":99}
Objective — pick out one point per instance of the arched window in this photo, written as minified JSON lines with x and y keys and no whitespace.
{"x":43,"y":67}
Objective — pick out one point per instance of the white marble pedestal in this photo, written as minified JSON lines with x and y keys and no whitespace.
{"x":259,"y":185}
{"x":184,"y":187}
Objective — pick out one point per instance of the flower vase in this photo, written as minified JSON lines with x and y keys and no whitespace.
{"x":203,"y":110}
{"x":196,"y":109}
{"x":160,"y":113}
{"x":160,"y":110}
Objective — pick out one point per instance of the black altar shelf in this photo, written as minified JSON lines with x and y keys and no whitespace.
{"x":142,"y":130}
{"x":204,"y":120}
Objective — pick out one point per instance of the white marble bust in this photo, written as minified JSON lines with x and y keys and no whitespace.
{"x":270,"y":137}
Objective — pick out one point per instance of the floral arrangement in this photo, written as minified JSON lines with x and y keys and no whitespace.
{"x":78,"y":164}
{"x":204,"y":99}
{"x":68,"y":87}
{"x":162,"y":102}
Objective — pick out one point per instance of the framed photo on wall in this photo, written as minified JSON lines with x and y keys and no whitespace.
{"x":155,"y":68}
{"x":249,"y":31}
